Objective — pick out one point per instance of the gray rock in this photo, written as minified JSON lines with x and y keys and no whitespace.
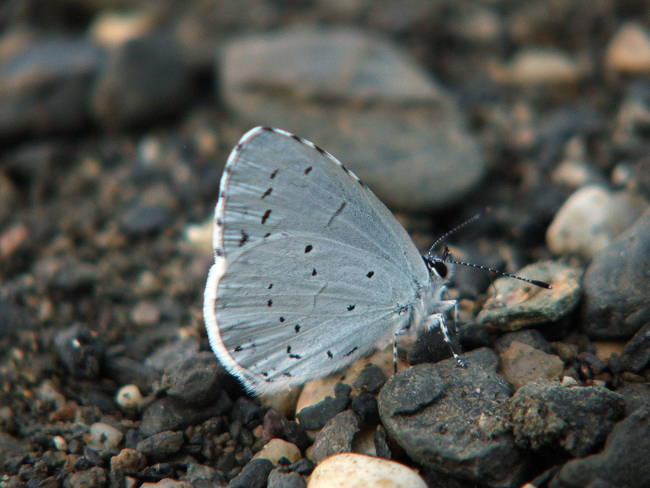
{"x":355,"y":95}
{"x":171,"y":414}
{"x":14,"y":319}
{"x":127,"y":371}
{"x":616,"y":285}
{"x":576,"y":419}
{"x":337,"y":436}
{"x":316,"y":416}
{"x":518,"y":305}
{"x":522,"y":364}
{"x":142,"y":219}
{"x":194,"y":380}
{"x":622,"y":462}
{"x":144,"y":79}
{"x":91,"y":478}
{"x":636,"y":353}
{"x":636,"y":395}
{"x":254,"y":475}
{"x":280,"y":478}
{"x":161,"y":446}
{"x":168,"y":354}
{"x":452,"y":419}
{"x":45,"y":85}
{"x":531,"y":337}
{"x":80,"y":351}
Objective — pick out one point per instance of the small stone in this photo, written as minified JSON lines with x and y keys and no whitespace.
{"x":518,"y":305}
{"x":336,"y":436}
{"x":616,"y":286}
{"x":316,"y":416}
{"x":94,"y":477}
{"x":254,"y":475}
{"x":126,"y":371}
{"x":546,"y":67}
{"x":530,"y":337}
{"x":591,"y":219}
{"x":59,"y":443}
{"x":577,"y":419}
{"x":371,"y":378}
{"x":522,"y":364}
{"x":162,"y":445}
{"x":629,"y":50}
{"x":80,"y":351}
{"x":365,"y":406}
{"x":636,"y":354}
{"x":145,"y":314}
{"x":622,"y":462}
{"x":104,"y":436}
{"x":167,"y":483}
{"x":129,"y":398}
{"x":129,"y":461}
{"x":280,"y":478}
{"x":277,"y":448}
{"x":363,"y":471}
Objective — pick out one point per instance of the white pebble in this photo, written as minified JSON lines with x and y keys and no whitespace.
{"x":277,"y":448}
{"x":629,"y":50}
{"x":361,"y":471}
{"x":129,"y":398}
{"x":104,"y":436}
{"x":59,"y":443}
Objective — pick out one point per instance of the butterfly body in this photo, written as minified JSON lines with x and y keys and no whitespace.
{"x":311,"y":270}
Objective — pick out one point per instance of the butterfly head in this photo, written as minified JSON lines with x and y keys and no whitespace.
{"x":440,"y":268}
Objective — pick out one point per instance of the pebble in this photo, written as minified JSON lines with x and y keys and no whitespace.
{"x":575,"y":419}
{"x":518,"y":305}
{"x":361,"y":471}
{"x":254,"y":475}
{"x":111,"y":29}
{"x":276,"y":426}
{"x":80,"y":351}
{"x":129,"y":398}
{"x":127,"y":371}
{"x":131,"y":90}
{"x":171,"y":414}
{"x":452,"y":419}
{"x":636,"y":353}
{"x":129,"y":461}
{"x":279,"y":478}
{"x":104,"y":436}
{"x":166,"y":355}
{"x":531,"y":337}
{"x":194,"y":380}
{"x":145,"y":314}
{"x":161,"y":446}
{"x":522,"y":364}
{"x":94,"y":477}
{"x":591,"y":219}
{"x":616,"y":286}
{"x":622,"y":462}
{"x":167,"y":483}
{"x":542,"y":67}
{"x":316,"y":416}
{"x":393,"y":125}
{"x":336,"y":436}
{"x":628,"y":51}
{"x":277,"y":448}
{"x":59,"y":443}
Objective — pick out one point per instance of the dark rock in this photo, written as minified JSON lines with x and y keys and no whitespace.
{"x":430,"y":346}
{"x":276,"y":426}
{"x":636,"y":395}
{"x":434,"y":411}
{"x":178,"y":350}
{"x":142,"y":219}
{"x":617,"y":289}
{"x":365,"y":406}
{"x":194,"y":380}
{"x":531,"y":337}
{"x":129,"y":461}
{"x":44,"y":87}
{"x":80,"y":351}
{"x":316,"y":416}
{"x":303,"y":466}
{"x":254,"y":475}
{"x":622,"y":462}
{"x":13,"y":318}
{"x":592,"y":363}
{"x":160,"y":446}
{"x":382,"y":446}
{"x":636,"y":353}
{"x":170,"y":414}
{"x":126,"y":371}
{"x":244,"y":411}
{"x":472,"y":335}
{"x":336,"y":436}
{"x":371,"y":378}
{"x":576,"y":419}
{"x":198,"y":473}
{"x":12,"y":449}
{"x":282,"y":478}
{"x":145,"y":79}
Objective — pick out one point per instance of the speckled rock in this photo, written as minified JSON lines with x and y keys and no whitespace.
{"x":522,"y":364}
{"x":336,"y":436}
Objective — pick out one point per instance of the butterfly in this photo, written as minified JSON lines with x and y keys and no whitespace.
{"x":312,"y":271}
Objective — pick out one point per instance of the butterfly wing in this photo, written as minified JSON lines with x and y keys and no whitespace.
{"x":311,"y":269}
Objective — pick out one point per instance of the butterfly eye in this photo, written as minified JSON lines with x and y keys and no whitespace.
{"x":440,"y":268}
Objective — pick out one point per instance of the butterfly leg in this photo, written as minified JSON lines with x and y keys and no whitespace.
{"x":397,"y":333}
{"x":438,"y":320}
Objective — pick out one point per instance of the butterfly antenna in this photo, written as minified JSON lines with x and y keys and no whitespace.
{"x":459,"y":227}
{"x":447,"y":258}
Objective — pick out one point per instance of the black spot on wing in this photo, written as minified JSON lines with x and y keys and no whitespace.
{"x":267,"y":193}
{"x":270,"y":286}
{"x":287,"y":374}
{"x":238,"y":349}
{"x":330,"y":355}
{"x":308,"y":170}
{"x":336,"y":214}
{"x":351,"y":307}
{"x":266,"y":216}
{"x":297,"y":328}
{"x":352,"y":351}
{"x":219,"y":222}
{"x":244,"y":238}
{"x":269,"y":303}
{"x":370,"y":274}
{"x":281,"y":319}
{"x":313,"y":273}
{"x":274,"y":174}
{"x":308,"y":248}
{"x":267,"y":234}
